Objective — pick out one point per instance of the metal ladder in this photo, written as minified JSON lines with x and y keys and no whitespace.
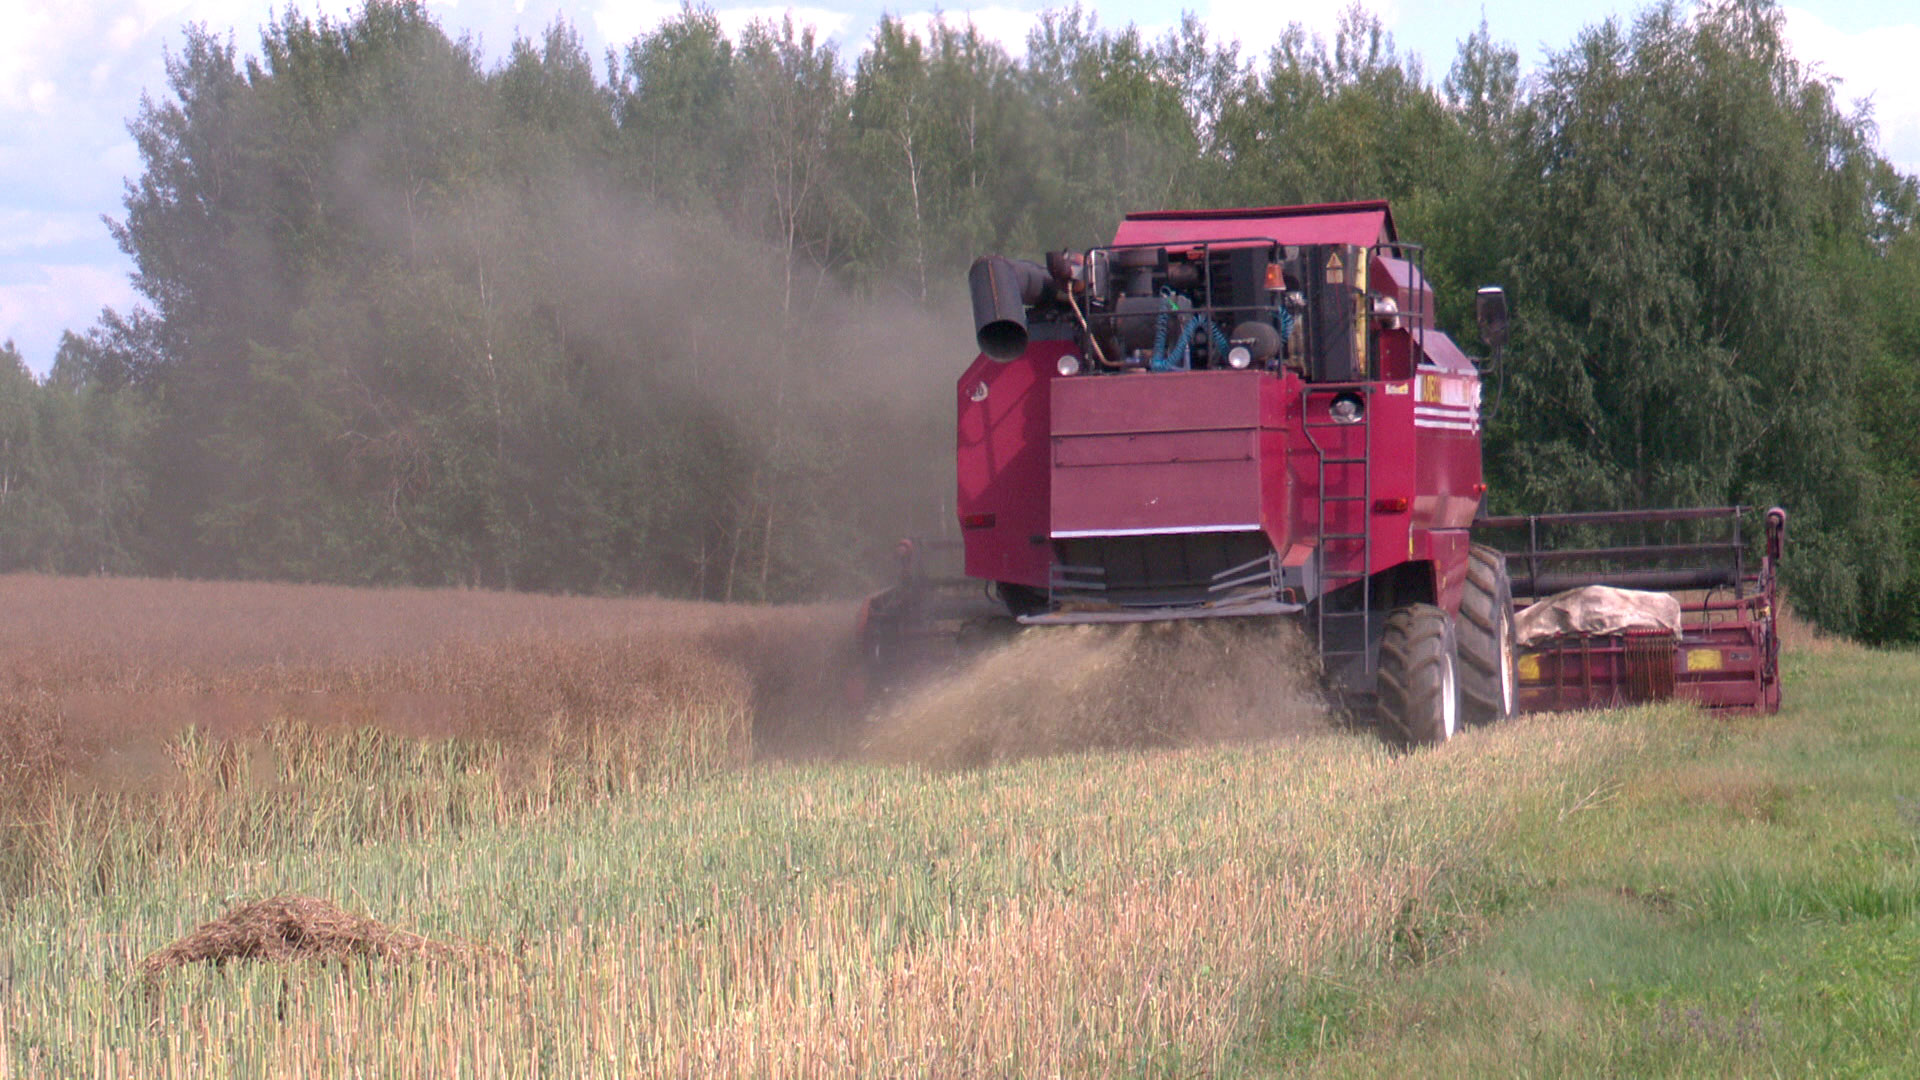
{"x":1336,"y":571}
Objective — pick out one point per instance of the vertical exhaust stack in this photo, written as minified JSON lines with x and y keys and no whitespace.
{"x":1002,"y":291}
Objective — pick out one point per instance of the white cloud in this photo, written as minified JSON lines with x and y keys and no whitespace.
{"x":28,"y":231}
{"x":125,"y":31}
{"x":619,"y":23}
{"x":49,"y":50}
{"x":71,"y":72}
{"x":1258,"y":26}
{"x":829,"y":23}
{"x":1876,"y":63}
{"x":23,"y":27}
{"x":1005,"y":26}
{"x":57,"y":297}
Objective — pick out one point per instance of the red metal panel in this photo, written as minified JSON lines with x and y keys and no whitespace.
{"x":1374,"y":478}
{"x":1163,"y":401}
{"x":1139,"y":448}
{"x":1404,"y":282}
{"x":1449,"y":554}
{"x":1443,"y":353}
{"x":1003,"y":465}
{"x":1396,"y":475}
{"x":1156,"y":453}
{"x":1360,"y":224}
{"x":1159,"y":497}
{"x":1281,"y":457}
{"x":1445,"y":429}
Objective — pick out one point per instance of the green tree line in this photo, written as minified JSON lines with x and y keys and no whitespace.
{"x":685,"y":318}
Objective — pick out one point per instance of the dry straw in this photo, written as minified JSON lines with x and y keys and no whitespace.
{"x":285,"y":929}
{"x":197,"y":710}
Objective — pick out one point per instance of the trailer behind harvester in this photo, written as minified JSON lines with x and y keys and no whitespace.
{"x":1724,"y":654}
{"x":1252,"y":414}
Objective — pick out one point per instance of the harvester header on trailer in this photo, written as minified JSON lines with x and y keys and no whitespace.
{"x":1238,"y":413}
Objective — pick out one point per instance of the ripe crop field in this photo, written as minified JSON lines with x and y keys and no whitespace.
{"x":580,"y":865}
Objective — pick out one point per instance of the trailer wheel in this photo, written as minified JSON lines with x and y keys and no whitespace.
{"x":1416,"y":688}
{"x":1487,"y":685}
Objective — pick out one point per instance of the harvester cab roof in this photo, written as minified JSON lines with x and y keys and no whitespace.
{"x":1326,"y":291}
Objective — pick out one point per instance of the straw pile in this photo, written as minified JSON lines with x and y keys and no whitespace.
{"x":288,"y":929}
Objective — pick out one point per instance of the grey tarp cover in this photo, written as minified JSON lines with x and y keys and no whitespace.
{"x":1597,"y":610}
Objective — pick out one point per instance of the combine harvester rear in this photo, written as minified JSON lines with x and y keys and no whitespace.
{"x":1250,"y":414}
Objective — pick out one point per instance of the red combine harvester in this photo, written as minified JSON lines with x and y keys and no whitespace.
{"x":1251,"y":414}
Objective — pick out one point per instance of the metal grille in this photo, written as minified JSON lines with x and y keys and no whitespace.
{"x":1649,"y":667}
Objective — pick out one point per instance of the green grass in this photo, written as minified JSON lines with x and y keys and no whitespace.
{"x":1743,"y":901}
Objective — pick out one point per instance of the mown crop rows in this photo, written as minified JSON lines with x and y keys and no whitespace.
{"x":640,"y":902}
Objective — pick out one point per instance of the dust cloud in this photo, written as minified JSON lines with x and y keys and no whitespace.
{"x":795,"y":426}
{"x":1075,"y":688}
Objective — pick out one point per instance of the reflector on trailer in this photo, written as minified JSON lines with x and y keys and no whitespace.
{"x":1705,"y":660}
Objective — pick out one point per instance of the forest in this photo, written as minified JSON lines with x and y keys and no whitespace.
{"x":684,"y":319}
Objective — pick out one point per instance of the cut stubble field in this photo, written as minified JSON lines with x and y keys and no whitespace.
{"x":643,"y":838}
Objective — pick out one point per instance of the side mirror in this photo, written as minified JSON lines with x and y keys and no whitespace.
{"x":1490,"y":308}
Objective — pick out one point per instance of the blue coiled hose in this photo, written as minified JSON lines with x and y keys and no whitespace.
{"x":1180,"y":358}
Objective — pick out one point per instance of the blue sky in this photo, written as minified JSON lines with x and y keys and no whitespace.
{"x":72,"y":72}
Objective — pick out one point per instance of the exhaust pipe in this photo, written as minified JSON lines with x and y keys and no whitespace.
{"x":1002,"y":290}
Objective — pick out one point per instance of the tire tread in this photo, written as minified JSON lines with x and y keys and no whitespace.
{"x":1409,"y":676}
{"x":1482,"y":601}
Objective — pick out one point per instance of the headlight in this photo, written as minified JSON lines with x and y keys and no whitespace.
{"x":1387,"y":311}
{"x":1347,"y":409}
{"x":1239,"y":357}
{"x":1069,"y":364}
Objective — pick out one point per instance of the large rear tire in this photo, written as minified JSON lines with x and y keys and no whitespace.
{"x":1488,"y":690}
{"x":1417,"y":689}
